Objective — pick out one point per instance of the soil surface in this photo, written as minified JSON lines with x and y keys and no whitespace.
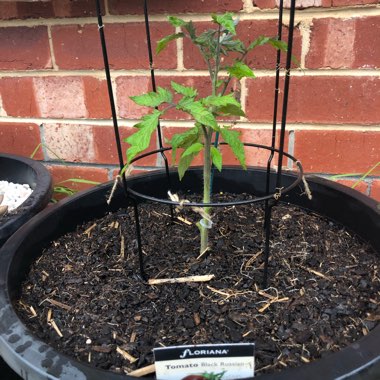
{"x":85,"y":297}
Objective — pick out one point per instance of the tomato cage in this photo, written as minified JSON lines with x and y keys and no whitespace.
{"x":274,"y":185}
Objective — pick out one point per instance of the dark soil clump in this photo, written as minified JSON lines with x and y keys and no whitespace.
{"x":324,"y":287}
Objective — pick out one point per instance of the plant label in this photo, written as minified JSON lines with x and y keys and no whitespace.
{"x":205,"y":362}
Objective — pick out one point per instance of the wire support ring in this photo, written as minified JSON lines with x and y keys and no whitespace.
{"x":276,"y":195}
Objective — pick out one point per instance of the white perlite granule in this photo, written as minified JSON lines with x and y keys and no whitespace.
{"x":14,"y":194}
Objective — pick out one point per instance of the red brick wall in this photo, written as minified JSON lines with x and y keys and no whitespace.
{"x":53,"y":90}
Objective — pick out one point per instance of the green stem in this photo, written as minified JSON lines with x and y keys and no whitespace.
{"x":206,"y":186}
{"x":217,"y":64}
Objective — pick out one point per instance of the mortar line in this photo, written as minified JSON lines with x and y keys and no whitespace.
{"x":45,"y":153}
{"x":106,"y":9}
{"x":243,"y":94}
{"x":305,"y":30}
{"x":248,"y":6}
{"x":188,"y":73}
{"x":51,"y":48}
{"x":179,"y":45}
{"x":253,"y":14}
{"x":291,"y":143}
{"x":188,"y":124}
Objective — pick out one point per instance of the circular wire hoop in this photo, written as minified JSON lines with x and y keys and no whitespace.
{"x":271,"y":195}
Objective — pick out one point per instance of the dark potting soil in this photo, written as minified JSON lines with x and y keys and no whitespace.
{"x":85,"y":297}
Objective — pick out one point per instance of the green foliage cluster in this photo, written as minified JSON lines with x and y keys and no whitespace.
{"x":214,"y":44}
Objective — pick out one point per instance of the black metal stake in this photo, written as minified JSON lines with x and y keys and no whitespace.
{"x":286,"y":93}
{"x":117,"y":135}
{"x":109,"y":84}
{"x":268,"y":207}
{"x":276,"y":95}
{"x":154,"y":88}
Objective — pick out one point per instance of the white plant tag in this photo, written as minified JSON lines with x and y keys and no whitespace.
{"x":205,"y":361}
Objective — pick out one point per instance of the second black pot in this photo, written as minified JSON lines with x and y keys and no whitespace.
{"x":22,"y":170}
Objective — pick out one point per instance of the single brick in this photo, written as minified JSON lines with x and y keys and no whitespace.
{"x":70,"y":142}
{"x":352,"y":100}
{"x":343,"y":43}
{"x":20,"y":138}
{"x":336,"y":151}
{"x":18,"y":98}
{"x":47,"y":9}
{"x":24,"y":48}
{"x":261,"y":57}
{"x":60,"y":97}
{"x":56,"y":97}
{"x":131,"y":86}
{"x":121,"y":7}
{"x":367,"y":36}
{"x":78,"y":47}
{"x":96,"y":98}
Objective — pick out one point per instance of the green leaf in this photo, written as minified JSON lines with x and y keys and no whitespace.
{"x":194,"y":148}
{"x":220,"y":82}
{"x":184,"y":90}
{"x":80,"y":180}
{"x":240,"y":70}
{"x":216,"y":158}
{"x":175,"y":21}
{"x":228,"y":42}
{"x":140,"y":140}
{"x":184,"y":164}
{"x":226,"y":21}
{"x":262,"y":40}
{"x":198,"y":112}
{"x":231,"y":110}
{"x":278,"y":44}
{"x":206,"y":38}
{"x":226,"y":104}
{"x":232,"y":138}
{"x":161,"y":45}
{"x":184,"y":140}
{"x":153,"y":99}
{"x":259,"y":41}
{"x":190,"y":29}
{"x":215,"y":100}
{"x":178,"y":22}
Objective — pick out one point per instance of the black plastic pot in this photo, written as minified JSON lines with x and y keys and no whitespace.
{"x":24,"y":170}
{"x":33,"y":359}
